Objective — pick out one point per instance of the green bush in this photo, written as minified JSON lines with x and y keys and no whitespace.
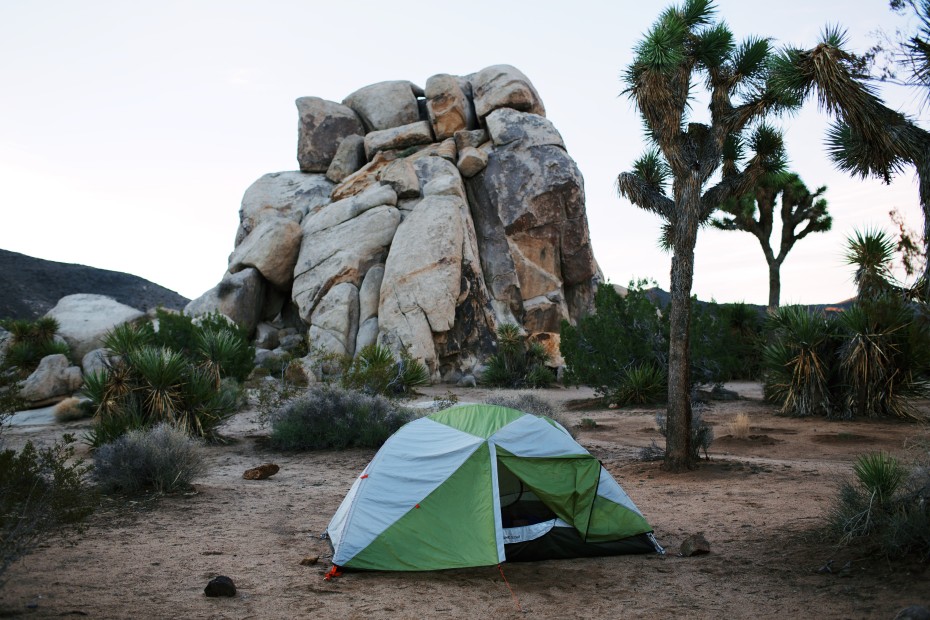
{"x":886,"y":506}
{"x":871,"y":361}
{"x":374,"y":370}
{"x":640,"y":385}
{"x":208,"y":338}
{"x":151,"y":384}
{"x":624,"y":345}
{"x":799,"y":361}
{"x":42,"y":492}
{"x":162,"y":459}
{"x":517,"y":364}
{"x":329,"y":417}
{"x":30,"y":342}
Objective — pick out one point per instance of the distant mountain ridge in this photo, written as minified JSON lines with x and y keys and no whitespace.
{"x":30,"y":287}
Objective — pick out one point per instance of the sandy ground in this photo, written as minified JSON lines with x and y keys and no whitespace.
{"x":759,"y":501}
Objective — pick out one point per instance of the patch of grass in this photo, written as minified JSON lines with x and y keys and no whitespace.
{"x":329,"y":417}
{"x":72,"y":409}
{"x":162,"y":459}
{"x":739,"y":427}
{"x":587,"y":424}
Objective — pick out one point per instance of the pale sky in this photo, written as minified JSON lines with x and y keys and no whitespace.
{"x":129,"y":131}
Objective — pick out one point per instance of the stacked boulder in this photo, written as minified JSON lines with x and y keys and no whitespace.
{"x":420,"y":219}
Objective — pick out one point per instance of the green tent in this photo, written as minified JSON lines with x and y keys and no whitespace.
{"x":477,"y":485}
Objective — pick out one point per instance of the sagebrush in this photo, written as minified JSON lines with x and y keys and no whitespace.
{"x":160,"y":459}
{"x":330,"y":417}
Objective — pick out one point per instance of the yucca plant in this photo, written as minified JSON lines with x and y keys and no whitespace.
{"x":32,"y":340}
{"x":799,"y":361}
{"x":374,"y":370}
{"x":127,"y":337}
{"x":640,"y":384}
{"x":161,"y":373}
{"x":218,"y":349}
{"x":877,"y":361}
{"x":516,"y":363}
{"x":880,"y":475}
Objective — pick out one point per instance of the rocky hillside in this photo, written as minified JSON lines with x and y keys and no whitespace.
{"x":30,"y":287}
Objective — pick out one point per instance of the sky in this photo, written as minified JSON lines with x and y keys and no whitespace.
{"x":129,"y":131}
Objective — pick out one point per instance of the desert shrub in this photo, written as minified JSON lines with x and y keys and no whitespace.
{"x":883,"y":358}
{"x":886,"y":505}
{"x":531,"y":403}
{"x":71,"y":409}
{"x":375,"y":370}
{"x":155,"y":384}
{"x":640,"y":385}
{"x":702,"y":434}
{"x":162,"y":459}
{"x":42,"y":493}
{"x":800,"y":371}
{"x":739,"y":428}
{"x":30,"y":342}
{"x":209,"y":338}
{"x":326,"y":416}
{"x":516,"y":363}
{"x":871,"y":361}
{"x":624,"y":345}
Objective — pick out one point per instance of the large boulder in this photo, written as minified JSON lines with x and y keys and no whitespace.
{"x":413,"y":134}
{"x":386,"y":104}
{"x":84,"y":319}
{"x":54,"y":380}
{"x":281,"y":194}
{"x":448,"y":106}
{"x":238,"y":296}
{"x":349,"y":157}
{"x":322,"y":125}
{"x":433,"y":301}
{"x":504,"y":86}
{"x":271,"y":248}
{"x":340,"y":244}
{"x":334,"y":322}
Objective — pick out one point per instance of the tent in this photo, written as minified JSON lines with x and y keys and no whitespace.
{"x":477,"y":485}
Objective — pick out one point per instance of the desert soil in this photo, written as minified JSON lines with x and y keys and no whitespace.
{"x":760,"y":501}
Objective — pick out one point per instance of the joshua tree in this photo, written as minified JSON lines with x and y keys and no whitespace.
{"x":869,"y":138}
{"x":683,"y":44}
{"x":754,"y":213}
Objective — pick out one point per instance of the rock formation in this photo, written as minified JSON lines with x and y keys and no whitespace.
{"x":420,"y":219}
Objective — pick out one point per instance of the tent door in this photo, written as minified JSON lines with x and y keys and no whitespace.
{"x":519,"y":506}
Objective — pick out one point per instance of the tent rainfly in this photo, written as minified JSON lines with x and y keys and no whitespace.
{"x":477,"y":485}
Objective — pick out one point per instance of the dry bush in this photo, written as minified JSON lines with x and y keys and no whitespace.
{"x":71,"y":409}
{"x":739,"y":427}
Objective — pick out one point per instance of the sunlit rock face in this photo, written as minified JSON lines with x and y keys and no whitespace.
{"x":420,"y":219}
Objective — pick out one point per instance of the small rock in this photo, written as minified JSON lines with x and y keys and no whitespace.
{"x":261,"y":472}
{"x":220,"y":586}
{"x":913,"y":612}
{"x":467,"y":381}
{"x":695,"y":544}
{"x":310,"y":560}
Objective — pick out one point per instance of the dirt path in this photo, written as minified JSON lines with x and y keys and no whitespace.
{"x":759,"y":502}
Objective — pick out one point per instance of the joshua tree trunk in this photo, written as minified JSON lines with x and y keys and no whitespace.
{"x":923,"y":184}
{"x":774,"y":284}
{"x":678,"y":434}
